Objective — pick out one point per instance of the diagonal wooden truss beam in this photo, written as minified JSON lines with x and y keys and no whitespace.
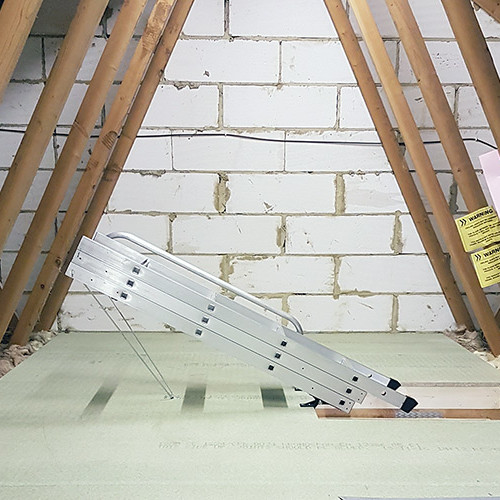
{"x":46,"y":114}
{"x":437,"y":104}
{"x":69,"y":158}
{"x":16,"y":19}
{"x":477,"y":58}
{"x":100,"y":155}
{"x":492,"y":7}
{"x":396,"y":159}
{"x":68,"y":232}
{"x":119,"y":156}
{"x":426,"y":173}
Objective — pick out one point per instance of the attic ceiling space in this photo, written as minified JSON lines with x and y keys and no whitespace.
{"x":55,"y":16}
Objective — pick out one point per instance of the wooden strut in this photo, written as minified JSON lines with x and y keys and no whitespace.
{"x":492,"y":7}
{"x":47,"y":112}
{"x":437,"y":104}
{"x":463,"y":413}
{"x":85,"y":190}
{"x":427,"y":175}
{"x":396,"y":159}
{"x":16,"y":19}
{"x":67,"y":163}
{"x":477,"y":58}
{"x":119,"y":156}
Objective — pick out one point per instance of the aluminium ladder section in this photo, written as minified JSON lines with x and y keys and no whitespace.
{"x":106,"y":241}
{"x":145,"y":284}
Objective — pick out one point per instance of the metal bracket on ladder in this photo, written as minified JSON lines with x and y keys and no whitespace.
{"x":164,"y":290}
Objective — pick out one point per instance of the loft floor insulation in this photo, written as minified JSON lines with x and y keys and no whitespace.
{"x":82,"y":418}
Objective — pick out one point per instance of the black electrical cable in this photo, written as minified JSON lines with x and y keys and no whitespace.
{"x":262,"y":139}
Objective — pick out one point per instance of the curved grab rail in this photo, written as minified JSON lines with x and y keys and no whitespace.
{"x":202,"y":274}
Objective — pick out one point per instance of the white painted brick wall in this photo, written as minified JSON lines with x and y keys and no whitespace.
{"x":218,"y":154}
{"x":445,"y":180}
{"x":387,"y":274}
{"x":348,"y":313}
{"x":353,"y":110}
{"x":339,"y":235}
{"x":447,"y":59}
{"x":313,"y":275}
{"x":423,"y":313}
{"x":10,"y":143}
{"x":7,"y":262}
{"x":52,"y":46}
{"x":417,"y":105}
{"x":264,"y":18}
{"x":73,"y":104}
{"x":225,"y":61}
{"x":184,"y":107}
{"x":150,"y":154}
{"x":372,"y":193}
{"x":410,"y":238}
{"x":470,"y":112}
{"x":321,"y":230}
{"x":335,"y":157}
{"x":18,"y":103}
{"x":300,"y":62}
{"x":287,"y":107}
{"x":154,"y":229}
{"x":19,"y":230}
{"x":206,"y":18}
{"x":29,"y":66}
{"x":36,"y":190}
{"x":226,"y":234}
{"x":170,"y":192}
{"x":281,"y":193}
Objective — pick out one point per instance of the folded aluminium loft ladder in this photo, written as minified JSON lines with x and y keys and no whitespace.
{"x":164,"y":289}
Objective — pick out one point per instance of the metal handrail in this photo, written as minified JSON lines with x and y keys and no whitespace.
{"x":203,"y":274}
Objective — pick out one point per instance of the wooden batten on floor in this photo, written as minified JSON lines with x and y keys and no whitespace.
{"x":462,"y":413}
{"x":463,"y":402}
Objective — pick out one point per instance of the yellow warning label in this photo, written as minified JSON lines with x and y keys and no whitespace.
{"x":487,"y":265}
{"x":479,"y":229}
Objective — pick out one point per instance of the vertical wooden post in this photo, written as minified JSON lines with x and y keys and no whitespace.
{"x":492,"y":7}
{"x":47,"y":112}
{"x":438,"y":106}
{"x":396,"y":159}
{"x":68,"y":160}
{"x":117,"y":159}
{"x":97,"y":162}
{"x":430,"y":184}
{"x":16,"y":19}
{"x":478,"y":59}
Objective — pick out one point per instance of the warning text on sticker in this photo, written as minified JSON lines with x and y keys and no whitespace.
{"x":479,"y":229}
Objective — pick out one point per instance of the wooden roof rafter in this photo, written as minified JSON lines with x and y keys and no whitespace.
{"x":492,"y":7}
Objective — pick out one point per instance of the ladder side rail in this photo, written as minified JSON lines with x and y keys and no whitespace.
{"x":274,"y":353}
{"x":216,"y":340}
{"x":203,"y":274}
{"x":308,"y":353}
{"x":200,"y":294}
{"x":243,"y":311}
{"x":164,"y":270}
